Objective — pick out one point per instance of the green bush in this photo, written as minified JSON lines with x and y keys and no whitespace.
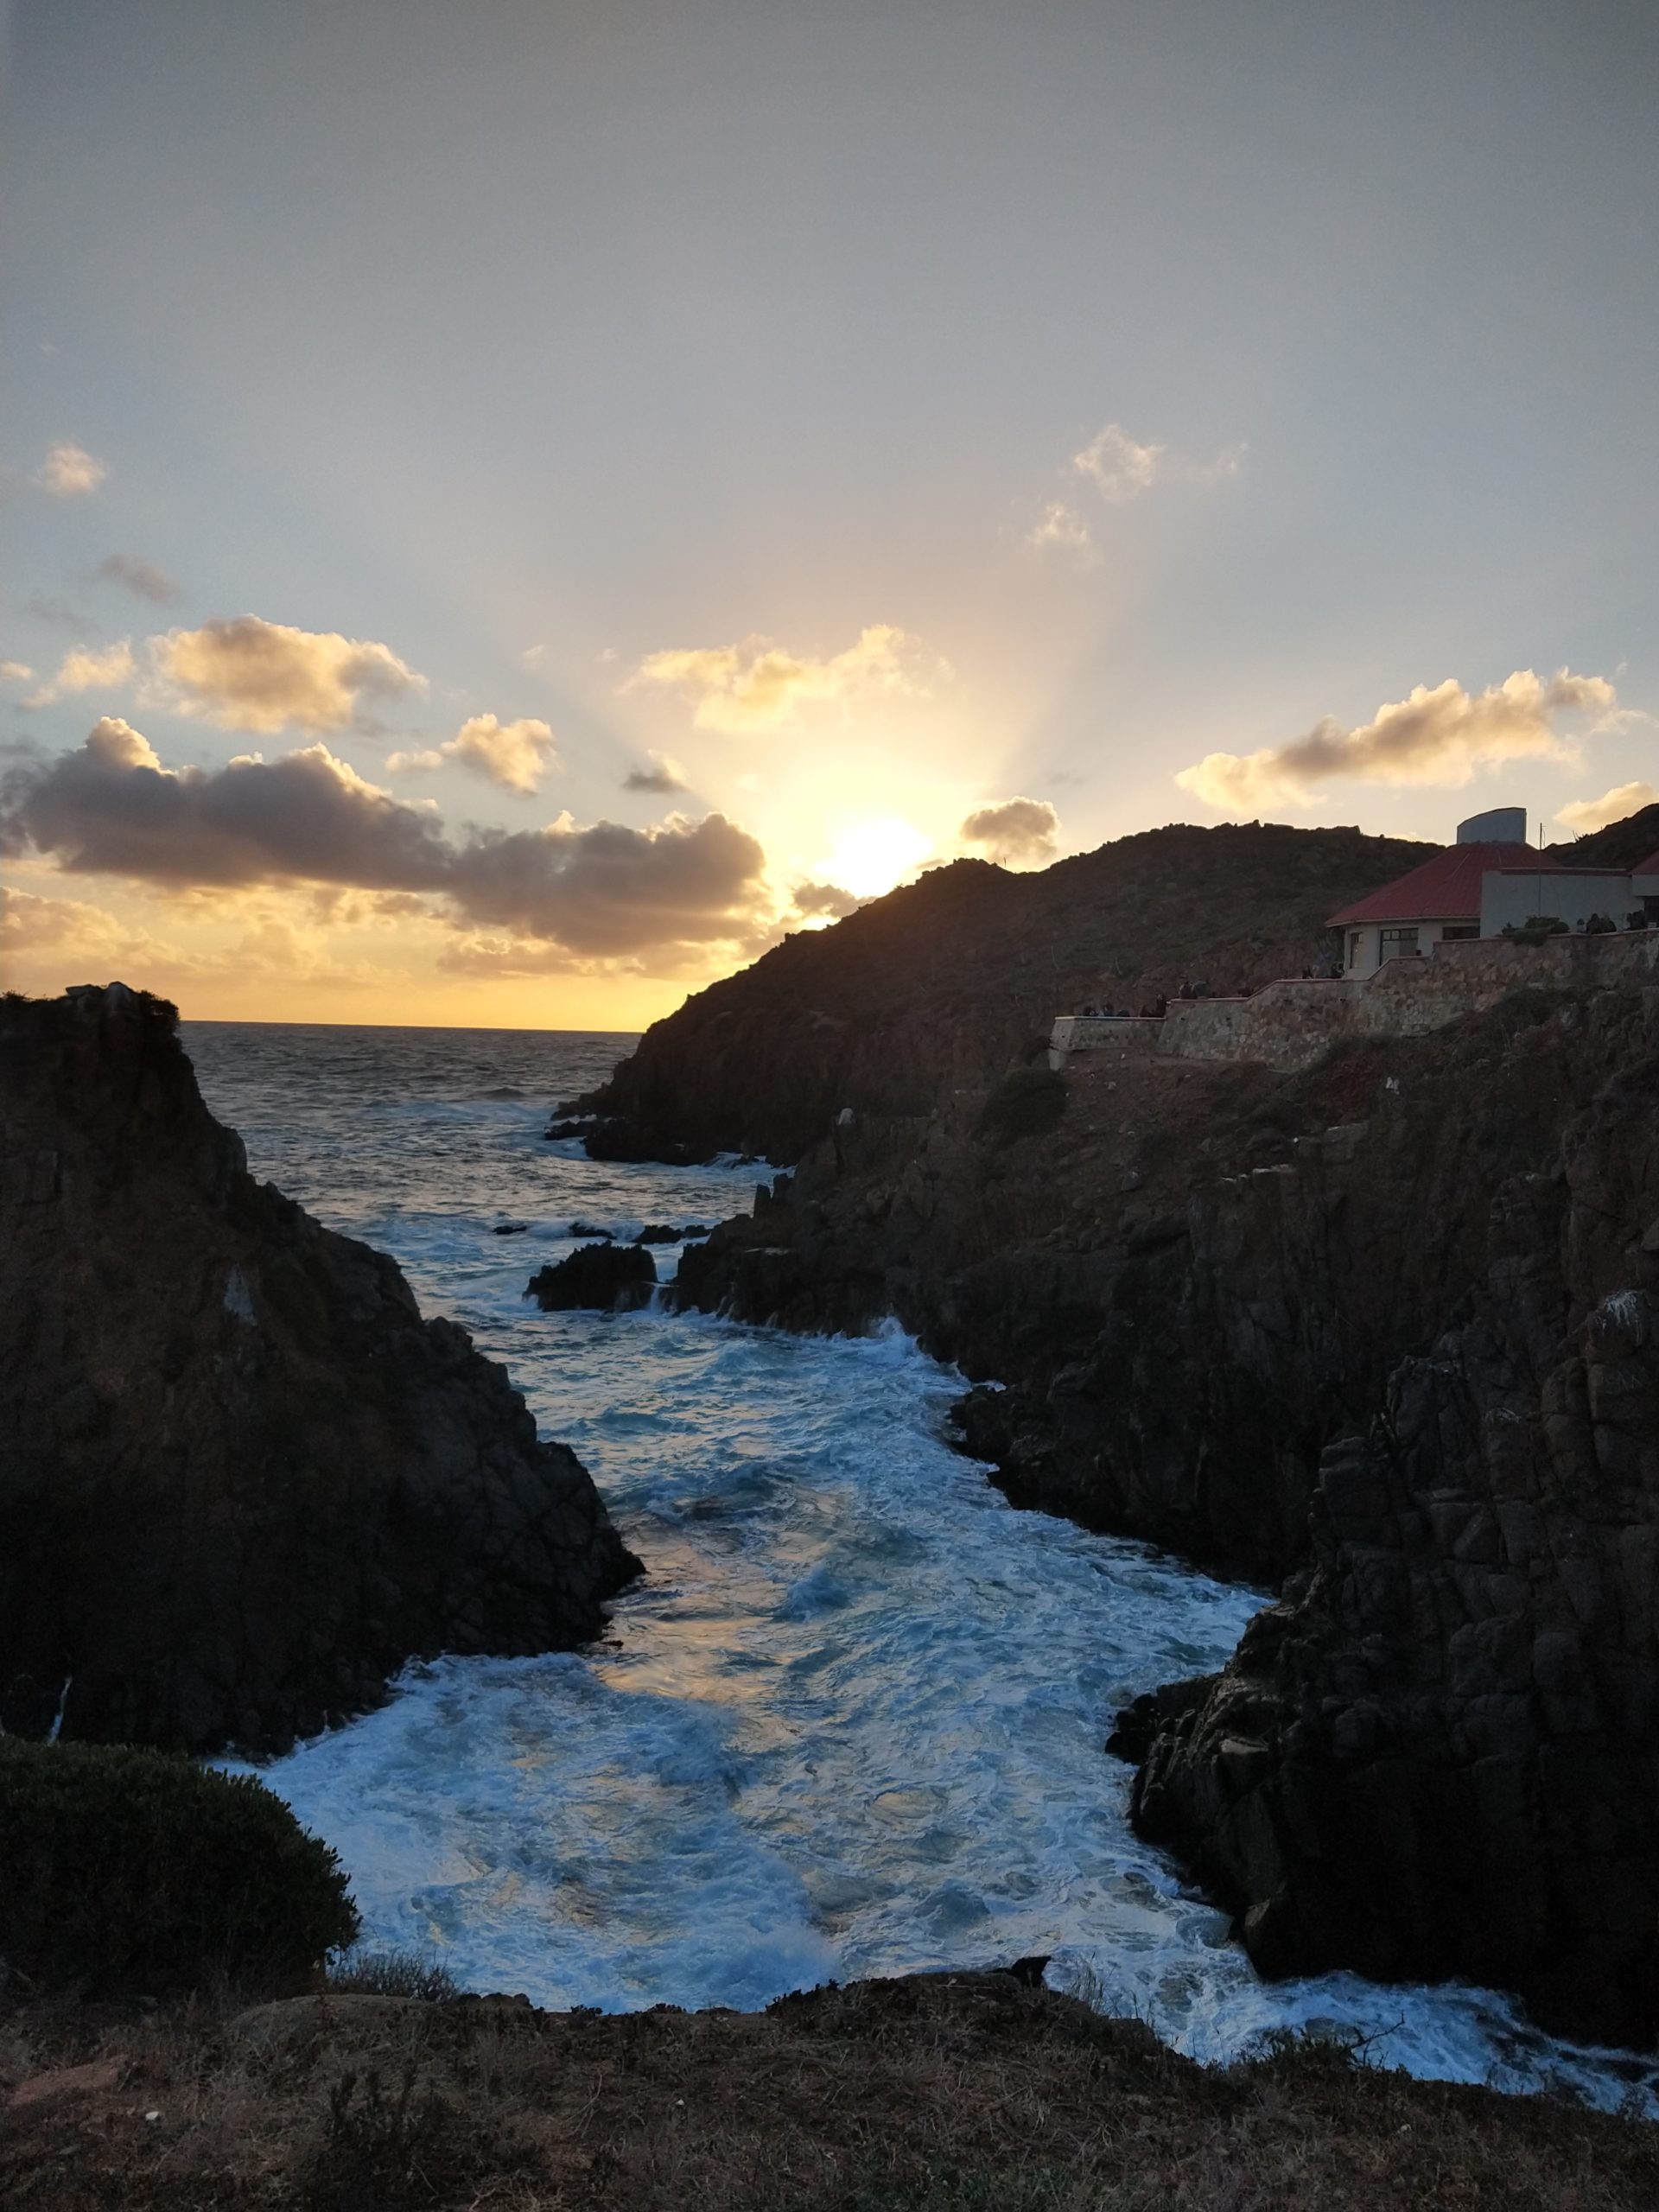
{"x":1026,"y":1104}
{"x":123,"y":1869}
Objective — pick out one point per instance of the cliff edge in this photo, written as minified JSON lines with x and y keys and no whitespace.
{"x":245,"y":1480}
{"x":1382,"y":1330}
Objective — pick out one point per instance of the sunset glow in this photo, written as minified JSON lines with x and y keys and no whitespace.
{"x":553,"y":516}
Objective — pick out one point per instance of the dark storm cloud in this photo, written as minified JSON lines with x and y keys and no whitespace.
{"x":111,"y":808}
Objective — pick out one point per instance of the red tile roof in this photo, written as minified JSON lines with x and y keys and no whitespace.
{"x":1649,"y":867}
{"x":1444,"y":889}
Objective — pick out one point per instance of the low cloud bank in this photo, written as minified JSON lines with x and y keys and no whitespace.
{"x":1439,"y":736}
{"x":109,"y":807}
{"x":1014,"y":832}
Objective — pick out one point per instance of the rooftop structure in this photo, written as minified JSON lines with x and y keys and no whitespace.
{"x":1440,"y":901}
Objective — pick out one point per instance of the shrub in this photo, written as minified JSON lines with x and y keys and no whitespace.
{"x":1026,"y":1104}
{"x":137,"y":1870}
{"x":394,"y":1973}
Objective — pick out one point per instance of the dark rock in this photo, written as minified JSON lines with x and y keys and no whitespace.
{"x":1412,"y":1366}
{"x":511,"y":1228}
{"x":244,"y":1481}
{"x":663,"y":1232}
{"x":587,"y":1229}
{"x":600,"y":1278}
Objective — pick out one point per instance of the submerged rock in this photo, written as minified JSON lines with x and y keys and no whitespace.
{"x":598,"y":1278}
{"x":245,"y":1481}
{"x":664,"y":1232}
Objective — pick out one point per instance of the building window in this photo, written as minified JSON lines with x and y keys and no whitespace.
{"x":1396,"y":944}
{"x":1455,"y":930}
{"x":1353,"y":948}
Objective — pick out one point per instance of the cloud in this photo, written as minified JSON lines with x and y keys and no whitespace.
{"x":86,"y":668}
{"x":28,"y":924}
{"x":69,"y":471}
{"x":515,"y":755}
{"x":824,"y":898}
{"x":1584,"y":814}
{"x":659,"y":772}
{"x":1121,"y":467}
{"x":608,"y":889}
{"x":1061,"y":527}
{"x":109,"y":807}
{"x":757,"y":686}
{"x":251,"y":675}
{"x":142,"y":578}
{"x":1016,"y":832}
{"x":17,"y":671}
{"x":1440,"y":737}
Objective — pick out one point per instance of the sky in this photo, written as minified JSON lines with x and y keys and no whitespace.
{"x":508,"y":508}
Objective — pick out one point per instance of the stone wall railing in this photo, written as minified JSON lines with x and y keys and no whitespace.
{"x":1290,"y":1023}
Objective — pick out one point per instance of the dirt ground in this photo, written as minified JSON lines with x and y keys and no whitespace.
{"x":948,"y":2093}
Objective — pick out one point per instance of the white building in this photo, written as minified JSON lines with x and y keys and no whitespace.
{"x":1489,"y":881}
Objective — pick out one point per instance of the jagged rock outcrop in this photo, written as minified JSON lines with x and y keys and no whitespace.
{"x":243,"y":1481}
{"x":1386,"y":1327}
{"x":597,"y":1278}
{"x":940,"y":985}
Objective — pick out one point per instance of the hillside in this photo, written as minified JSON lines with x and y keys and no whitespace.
{"x":945,"y":982}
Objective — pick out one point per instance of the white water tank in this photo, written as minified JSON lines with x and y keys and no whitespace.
{"x":1500,"y":825}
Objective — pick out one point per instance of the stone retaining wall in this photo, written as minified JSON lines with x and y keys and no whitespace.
{"x":1290,"y":1023}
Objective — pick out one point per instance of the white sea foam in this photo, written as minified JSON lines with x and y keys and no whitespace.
{"x":852,"y":1723}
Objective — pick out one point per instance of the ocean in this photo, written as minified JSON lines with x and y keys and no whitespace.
{"x":852,"y":1721}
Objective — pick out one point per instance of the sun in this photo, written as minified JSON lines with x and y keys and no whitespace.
{"x":871,"y":856}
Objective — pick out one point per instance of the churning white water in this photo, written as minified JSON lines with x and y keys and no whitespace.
{"x":851,"y":1722}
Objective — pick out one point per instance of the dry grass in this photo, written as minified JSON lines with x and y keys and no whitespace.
{"x":965,"y":2093}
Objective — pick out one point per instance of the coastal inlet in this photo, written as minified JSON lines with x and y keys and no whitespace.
{"x":851,"y":1722}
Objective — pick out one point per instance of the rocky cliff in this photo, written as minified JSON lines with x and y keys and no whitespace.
{"x":243,"y":1480}
{"x":940,"y":986}
{"x":1384,"y":1327}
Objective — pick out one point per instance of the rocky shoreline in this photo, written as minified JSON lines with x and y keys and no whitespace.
{"x":246,"y":1481}
{"x":1380,"y":1334}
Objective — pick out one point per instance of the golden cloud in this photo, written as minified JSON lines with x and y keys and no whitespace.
{"x":758,"y":686}
{"x":1440,"y":736}
{"x":86,"y":668}
{"x":251,"y":675}
{"x":1581,"y":816}
{"x":69,"y":471}
{"x":515,"y":755}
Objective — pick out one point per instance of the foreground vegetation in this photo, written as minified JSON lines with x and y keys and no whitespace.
{"x":967,"y":2093}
